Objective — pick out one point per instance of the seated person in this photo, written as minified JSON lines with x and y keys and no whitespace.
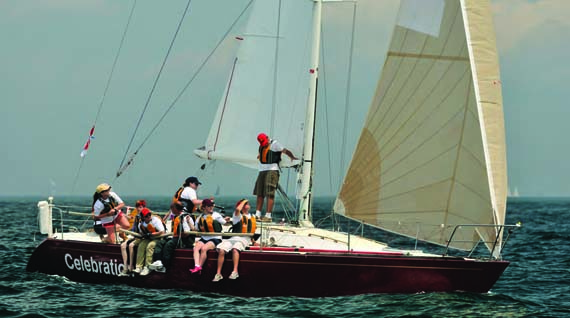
{"x":209,"y":221}
{"x":132,"y":215}
{"x":181,"y":226}
{"x":242,"y":222}
{"x":151,"y":229}
{"x":129,"y":256}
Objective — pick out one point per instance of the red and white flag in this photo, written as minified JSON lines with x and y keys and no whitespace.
{"x":86,"y":146}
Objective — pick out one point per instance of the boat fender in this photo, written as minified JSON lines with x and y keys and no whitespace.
{"x":44,"y":217}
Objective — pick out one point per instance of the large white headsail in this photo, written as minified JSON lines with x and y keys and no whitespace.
{"x":268,"y":88}
{"x":432,"y":151}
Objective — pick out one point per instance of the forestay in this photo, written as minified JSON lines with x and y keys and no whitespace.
{"x":432,"y":152}
{"x":267,"y":88}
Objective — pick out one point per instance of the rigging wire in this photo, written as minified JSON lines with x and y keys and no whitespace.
{"x":275,"y":69}
{"x":107,"y":85}
{"x":154,"y":85}
{"x":326,"y":114}
{"x":347,"y":97}
{"x":182,"y":91}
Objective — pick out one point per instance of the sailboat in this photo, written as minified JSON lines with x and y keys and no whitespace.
{"x":430,"y":163}
{"x":516,"y":193}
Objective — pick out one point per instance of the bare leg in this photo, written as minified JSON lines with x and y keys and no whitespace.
{"x":259,"y":203}
{"x":221,"y":257}
{"x":235,"y":257}
{"x":270,"y":201}
{"x":197,"y":249}
{"x":110,"y":234}
{"x":124,"y":253}
{"x":204,"y":252}
{"x":123,"y":222}
{"x":131,"y":255}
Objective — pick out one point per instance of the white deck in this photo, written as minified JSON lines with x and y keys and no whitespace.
{"x":290,"y":236}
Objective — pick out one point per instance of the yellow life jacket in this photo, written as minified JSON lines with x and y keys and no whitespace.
{"x":132,"y":217}
{"x":246,"y":225}
{"x":206,"y":223}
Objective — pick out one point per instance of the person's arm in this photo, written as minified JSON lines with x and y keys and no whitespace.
{"x":118,"y":199}
{"x":238,"y":209}
{"x":166,"y":216}
{"x":289,"y":154}
{"x":223,"y":220}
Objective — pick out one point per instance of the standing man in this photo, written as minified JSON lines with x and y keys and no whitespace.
{"x":268,"y":178}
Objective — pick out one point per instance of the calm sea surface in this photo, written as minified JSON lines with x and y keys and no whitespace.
{"x":536,"y":284}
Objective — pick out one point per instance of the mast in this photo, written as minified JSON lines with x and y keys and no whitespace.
{"x":306,"y":175}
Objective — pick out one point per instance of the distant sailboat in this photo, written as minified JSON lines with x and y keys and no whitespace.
{"x":513,"y":194}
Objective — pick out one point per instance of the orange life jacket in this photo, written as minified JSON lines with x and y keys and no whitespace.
{"x":266,"y":155}
{"x":176,"y":226}
{"x":188,"y":204}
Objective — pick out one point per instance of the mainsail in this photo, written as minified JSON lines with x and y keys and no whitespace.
{"x":267,"y":89}
{"x":432,"y":152}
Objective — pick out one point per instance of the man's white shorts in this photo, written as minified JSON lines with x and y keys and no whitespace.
{"x":228,"y":245}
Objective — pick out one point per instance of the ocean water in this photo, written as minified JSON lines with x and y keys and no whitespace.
{"x":536,"y":284}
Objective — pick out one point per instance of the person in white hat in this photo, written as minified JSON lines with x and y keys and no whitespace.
{"x":107,"y":207}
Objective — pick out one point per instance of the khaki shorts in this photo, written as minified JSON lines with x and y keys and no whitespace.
{"x":266,"y":183}
{"x":228,"y":245}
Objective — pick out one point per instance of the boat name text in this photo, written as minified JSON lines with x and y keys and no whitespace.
{"x":110,"y":267}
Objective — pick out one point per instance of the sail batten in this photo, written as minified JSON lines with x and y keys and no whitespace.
{"x":436,"y":143}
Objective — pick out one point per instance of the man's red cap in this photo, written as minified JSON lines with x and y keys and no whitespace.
{"x":263,"y":139}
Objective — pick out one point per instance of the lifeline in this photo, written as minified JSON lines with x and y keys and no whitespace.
{"x":89,"y":265}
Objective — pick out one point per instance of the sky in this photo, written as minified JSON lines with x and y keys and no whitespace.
{"x":57,"y":55}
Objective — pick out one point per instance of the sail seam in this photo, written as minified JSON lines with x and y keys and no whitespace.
{"x":444,"y":46}
{"x":419,"y":107}
{"x":397,"y":95}
{"x":467,"y":151}
{"x":457,"y":157}
{"x":429,"y":56}
{"x":473,"y":191}
{"x":437,"y":156}
{"x":389,"y":84}
{"x":366,"y":194}
{"x":423,"y":142}
{"x":409,"y":75}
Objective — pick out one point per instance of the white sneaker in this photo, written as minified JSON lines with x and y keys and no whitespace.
{"x":234,"y":275}
{"x":161,"y":269}
{"x":145,"y":271}
{"x":124,"y":273}
{"x":137,"y":270}
{"x":155,"y":265}
{"x":217,"y":278}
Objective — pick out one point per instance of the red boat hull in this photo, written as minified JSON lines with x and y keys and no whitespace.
{"x":275,"y":272}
